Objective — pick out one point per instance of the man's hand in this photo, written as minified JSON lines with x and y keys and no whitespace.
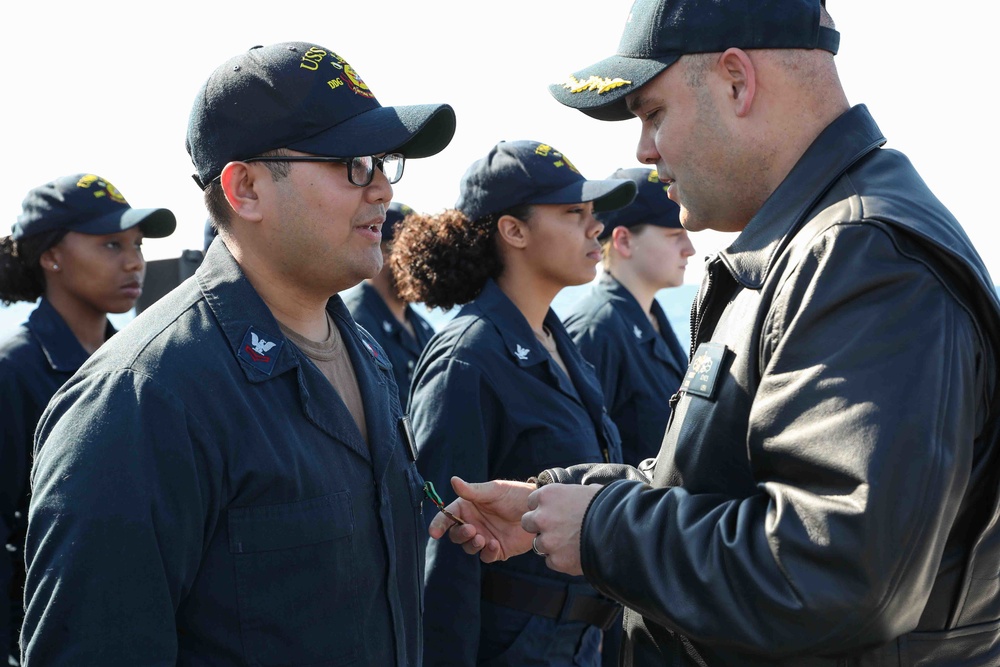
{"x":492,"y":514}
{"x":556,"y":517}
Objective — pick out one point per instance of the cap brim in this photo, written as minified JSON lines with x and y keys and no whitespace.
{"x":154,"y":222}
{"x":607,"y":195}
{"x":599,"y":90}
{"x":415,"y":131}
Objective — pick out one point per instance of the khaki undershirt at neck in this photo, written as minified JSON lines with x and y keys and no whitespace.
{"x":334,"y":363}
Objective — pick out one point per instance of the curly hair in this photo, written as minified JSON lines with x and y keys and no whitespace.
{"x":444,"y":260}
{"x":21,"y":276}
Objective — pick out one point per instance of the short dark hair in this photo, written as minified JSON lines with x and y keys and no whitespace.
{"x":218,"y":206}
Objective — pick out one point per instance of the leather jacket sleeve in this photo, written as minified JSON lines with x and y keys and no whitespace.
{"x":591,"y":473}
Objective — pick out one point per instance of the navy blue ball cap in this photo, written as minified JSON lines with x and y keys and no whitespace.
{"x":658,"y":32}
{"x":651,"y":205}
{"x":87,"y":204}
{"x":517,"y":173}
{"x":307,"y":98}
{"x":393,"y":214}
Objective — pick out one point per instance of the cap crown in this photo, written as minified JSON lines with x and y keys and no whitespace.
{"x":658,"y":32}
{"x":85,"y":203}
{"x":307,"y":98}
{"x":271,"y":97}
{"x":512,"y":174}
{"x":657,"y":28}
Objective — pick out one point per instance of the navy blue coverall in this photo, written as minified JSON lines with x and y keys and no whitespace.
{"x":489,"y":402}
{"x":201,"y":495}
{"x":370,"y":311}
{"x":34,"y":363}
{"x":639,"y":369}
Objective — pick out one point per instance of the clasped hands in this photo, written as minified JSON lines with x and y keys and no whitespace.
{"x":504,"y":518}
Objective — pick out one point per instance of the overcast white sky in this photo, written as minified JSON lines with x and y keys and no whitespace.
{"x":107,"y":87}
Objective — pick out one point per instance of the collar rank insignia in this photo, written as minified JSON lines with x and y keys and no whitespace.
{"x":386,"y":327}
{"x":258,"y":351}
{"x":703,"y":372}
{"x":372,"y":346}
{"x":637,"y":331}
{"x":521,"y":353}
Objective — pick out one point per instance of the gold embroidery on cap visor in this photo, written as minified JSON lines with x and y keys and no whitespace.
{"x":594,"y":83}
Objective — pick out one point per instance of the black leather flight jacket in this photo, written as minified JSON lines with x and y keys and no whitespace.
{"x":827,"y":489}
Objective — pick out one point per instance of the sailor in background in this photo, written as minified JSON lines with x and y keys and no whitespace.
{"x":76,"y":249}
{"x":375,"y":305}
{"x":501,"y":391}
{"x":621,"y":328}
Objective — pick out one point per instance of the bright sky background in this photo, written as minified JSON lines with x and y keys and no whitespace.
{"x":107,"y":88}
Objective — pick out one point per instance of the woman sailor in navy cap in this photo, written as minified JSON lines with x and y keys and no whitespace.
{"x":77,"y":247}
{"x":502,"y":392}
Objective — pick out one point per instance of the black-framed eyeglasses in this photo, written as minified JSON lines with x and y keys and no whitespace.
{"x":360,"y":169}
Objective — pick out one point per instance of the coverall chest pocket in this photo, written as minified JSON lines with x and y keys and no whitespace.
{"x":297,"y":597}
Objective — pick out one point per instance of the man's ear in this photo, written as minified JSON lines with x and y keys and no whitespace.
{"x":621,"y":241}
{"x":512,"y":231}
{"x":740,"y":75}
{"x":241,"y":184}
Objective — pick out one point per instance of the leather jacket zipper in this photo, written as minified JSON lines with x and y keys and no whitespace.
{"x":698,"y":306}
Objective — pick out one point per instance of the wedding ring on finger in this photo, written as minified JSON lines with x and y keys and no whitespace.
{"x":534,"y":546}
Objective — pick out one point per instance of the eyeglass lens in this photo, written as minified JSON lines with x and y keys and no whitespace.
{"x":362,"y":168}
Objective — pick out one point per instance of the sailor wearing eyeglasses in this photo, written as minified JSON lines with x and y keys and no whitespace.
{"x":229,"y":480}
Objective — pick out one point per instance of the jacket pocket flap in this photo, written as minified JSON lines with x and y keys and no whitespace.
{"x":289,"y":525}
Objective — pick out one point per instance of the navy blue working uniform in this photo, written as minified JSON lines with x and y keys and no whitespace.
{"x":489,"y":402}
{"x":639,"y":368}
{"x":34,"y":363}
{"x":226,"y":508}
{"x":370,"y":311}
